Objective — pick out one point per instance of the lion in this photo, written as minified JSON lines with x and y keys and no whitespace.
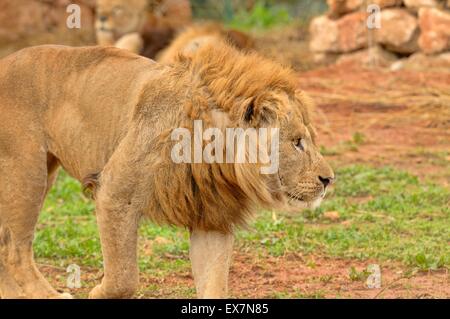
{"x":140,"y":26}
{"x":107,"y":116}
{"x":189,"y":40}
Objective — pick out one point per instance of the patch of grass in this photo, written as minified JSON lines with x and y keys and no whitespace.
{"x":67,"y":229}
{"x":318,"y":294}
{"x":356,"y":275}
{"x":439,"y":158}
{"x":261,"y":16}
{"x":384,"y":213}
{"x":358,"y":138}
{"x":352,"y":145}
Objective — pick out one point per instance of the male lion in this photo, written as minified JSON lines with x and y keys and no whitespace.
{"x":140,"y":26}
{"x":107,"y":116}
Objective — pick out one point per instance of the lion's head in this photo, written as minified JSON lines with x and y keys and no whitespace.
{"x":227,"y":88}
{"x":255,"y":92}
{"x":120,"y":17}
{"x":304,"y":173}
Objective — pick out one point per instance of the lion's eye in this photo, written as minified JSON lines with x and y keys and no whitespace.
{"x":299,"y":144}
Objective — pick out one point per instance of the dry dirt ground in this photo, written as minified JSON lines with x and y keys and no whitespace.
{"x":404,"y":119}
{"x":290,"y":276}
{"x":403,"y":116}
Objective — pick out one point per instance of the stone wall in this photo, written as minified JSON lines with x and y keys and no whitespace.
{"x":413,"y":29}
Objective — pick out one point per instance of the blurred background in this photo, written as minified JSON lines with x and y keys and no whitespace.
{"x":32,"y":22}
{"x":383,"y":117}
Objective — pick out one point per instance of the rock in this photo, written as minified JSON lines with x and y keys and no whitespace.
{"x":416,"y":4}
{"x":339,"y":36}
{"x":375,"y":56}
{"x":435,"y":30}
{"x":325,"y":57}
{"x":399,"y":31}
{"x":387,"y":3}
{"x":338,"y":8}
{"x":421,"y":61}
{"x":324,"y":34}
{"x":397,"y":66}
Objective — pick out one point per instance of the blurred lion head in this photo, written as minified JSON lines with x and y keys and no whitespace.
{"x":120,"y":17}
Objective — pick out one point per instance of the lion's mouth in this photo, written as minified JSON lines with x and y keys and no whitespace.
{"x":298,"y":198}
{"x":299,"y":201}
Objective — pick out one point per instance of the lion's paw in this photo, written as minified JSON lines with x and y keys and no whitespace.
{"x":97,"y":293}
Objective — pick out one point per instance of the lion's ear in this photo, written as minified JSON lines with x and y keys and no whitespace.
{"x":259,"y":113}
{"x":250,"y":111}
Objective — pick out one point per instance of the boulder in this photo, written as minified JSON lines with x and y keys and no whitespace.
{"x":399,"y":31}
{"x":387,"y":3}
{"x":375,"y":56}
{"x":421,"y":61}
{"x":416,"y":4}
{"x":338,"y":8}
{"x":435,"y":30}
{"x":347,"y":34}
{"x":325,"y":57}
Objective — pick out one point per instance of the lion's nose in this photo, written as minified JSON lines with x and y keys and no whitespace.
{"x":103,"y":18}
{"x":326,"y":180}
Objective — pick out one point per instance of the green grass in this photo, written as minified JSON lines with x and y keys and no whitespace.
{"x":384,"y":214}
{"x":352,"y":145}
{"x":261,"y":16}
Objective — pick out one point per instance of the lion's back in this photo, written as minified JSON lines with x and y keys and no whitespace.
{"x":52,"y":68}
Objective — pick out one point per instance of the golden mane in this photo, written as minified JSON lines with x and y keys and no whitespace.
{"x":220,"y":196}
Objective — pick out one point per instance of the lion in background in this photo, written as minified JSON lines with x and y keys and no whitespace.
{"x":106,"y":115}
{"x":192,"y":38}
{"x":140,"y":26}
{"x":159,"y":29}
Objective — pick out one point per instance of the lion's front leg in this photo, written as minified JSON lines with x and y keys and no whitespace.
{"x":210,"y":255}
{"x":118,"y":226}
